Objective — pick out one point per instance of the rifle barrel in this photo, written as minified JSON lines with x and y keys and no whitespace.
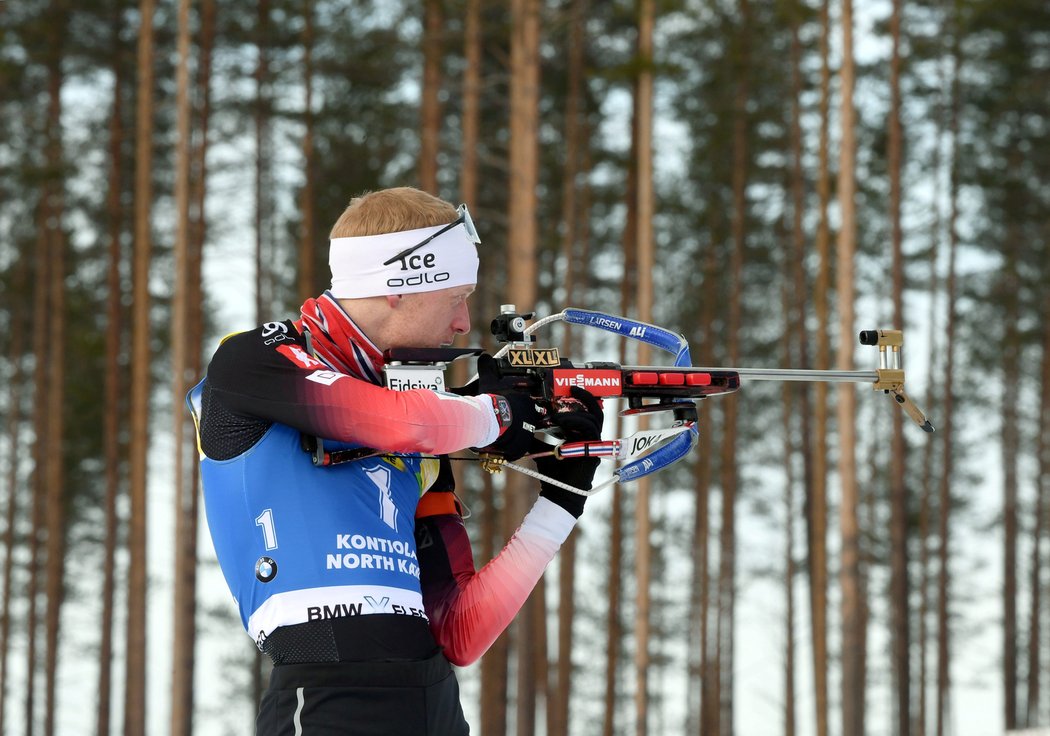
{"x":782,"y":374}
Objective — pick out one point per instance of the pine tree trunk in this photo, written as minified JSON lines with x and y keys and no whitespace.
{"x":944,"y":496}
{"x":521,"y":278}
{"x":729,"y":474}
{"x":430,"y":103}
{"x":497,"y":518}
{"x":571,"y":167}
{"x":539,"y":648}
{"x":1010,"y":439}
{"x":614,"y":621}
{"x":932,"y":394}
{"x":560,"y":687}
{"x":795,"y":304}
{"x":899,"y":589}
{"x":560,"y":693}
{"x":198,"y":187}
{"x":135,"y":691}
{"x":643,"y":132}
{"x":468,"y":178}
{"x":524,"y":162}
{"x":798,"y":248}
{"x":947,"y":452}
{"x":850,"y":574}
{"x":817,"y":519}
{"x":56,"y":363}
{"x":15,"y":388}
{"x":708,"y":676}
{"x":519,"y":656}
{"x":41,"y":285}
{"x":525,"y":646}
{"x":195,"y":312}
{"x":114,"y":384}
{"x":922,"y":619}
{"x":586,"y":199}
{"x":307,"y":284}
{"x":1010,"y":442}
{"x":495,"y":662}
{"x":920,"y":717}
{"x":789,"y":524}
{"x":185,"y":555}
{"x":698,"y":597}
{"x":262,"y":154}
{"x":1042,"y":525}
{"x":468,"y":175}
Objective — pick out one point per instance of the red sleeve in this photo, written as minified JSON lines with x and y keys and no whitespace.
{"x":280,"y":382}
{"x":468,"y":609}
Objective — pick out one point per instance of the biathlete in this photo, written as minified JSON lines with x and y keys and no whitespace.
{"x":357,"y":578}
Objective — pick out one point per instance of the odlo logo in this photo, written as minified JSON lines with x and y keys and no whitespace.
{"x":274,"y":332}
{"x":416,"y":262}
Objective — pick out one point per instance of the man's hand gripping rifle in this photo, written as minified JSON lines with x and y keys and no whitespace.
{"x":520,"y":366}
{"x":541,"y":372}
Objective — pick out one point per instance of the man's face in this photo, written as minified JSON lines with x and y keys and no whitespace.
{"x":431,"y":319}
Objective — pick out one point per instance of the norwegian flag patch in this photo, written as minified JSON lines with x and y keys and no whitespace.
{"x":300,"y":357}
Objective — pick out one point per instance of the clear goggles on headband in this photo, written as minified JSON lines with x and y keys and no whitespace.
{"x":468,"y":228}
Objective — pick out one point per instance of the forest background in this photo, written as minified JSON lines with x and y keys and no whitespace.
{"x":765,"y":177}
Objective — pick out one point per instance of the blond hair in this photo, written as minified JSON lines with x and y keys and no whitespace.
{"x":391,"y":211}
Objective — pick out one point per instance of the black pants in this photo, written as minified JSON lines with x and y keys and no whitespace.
{"x":416,"y":698}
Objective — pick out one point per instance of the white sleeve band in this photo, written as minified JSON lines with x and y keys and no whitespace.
{"x":548,"y":520}
{"x":485,"y":402}
{"x":489,"y":423}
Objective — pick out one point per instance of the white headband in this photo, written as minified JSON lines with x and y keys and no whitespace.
{"x":377,"y":265}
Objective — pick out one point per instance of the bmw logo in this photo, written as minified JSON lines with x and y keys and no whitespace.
{"x":265,"y":569}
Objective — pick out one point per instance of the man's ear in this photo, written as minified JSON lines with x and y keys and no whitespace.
{"x":393,"y":300}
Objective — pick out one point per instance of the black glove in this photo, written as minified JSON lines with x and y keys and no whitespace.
{"x":519,"y":417}
{"x":576,"y":425}
{"x":516,"y":410}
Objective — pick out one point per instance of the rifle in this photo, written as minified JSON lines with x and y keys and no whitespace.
{"x":549,"y":378}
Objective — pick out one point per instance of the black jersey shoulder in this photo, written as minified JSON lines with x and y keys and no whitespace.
{"x":244,"y":352}
{"x":245,"y":365}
